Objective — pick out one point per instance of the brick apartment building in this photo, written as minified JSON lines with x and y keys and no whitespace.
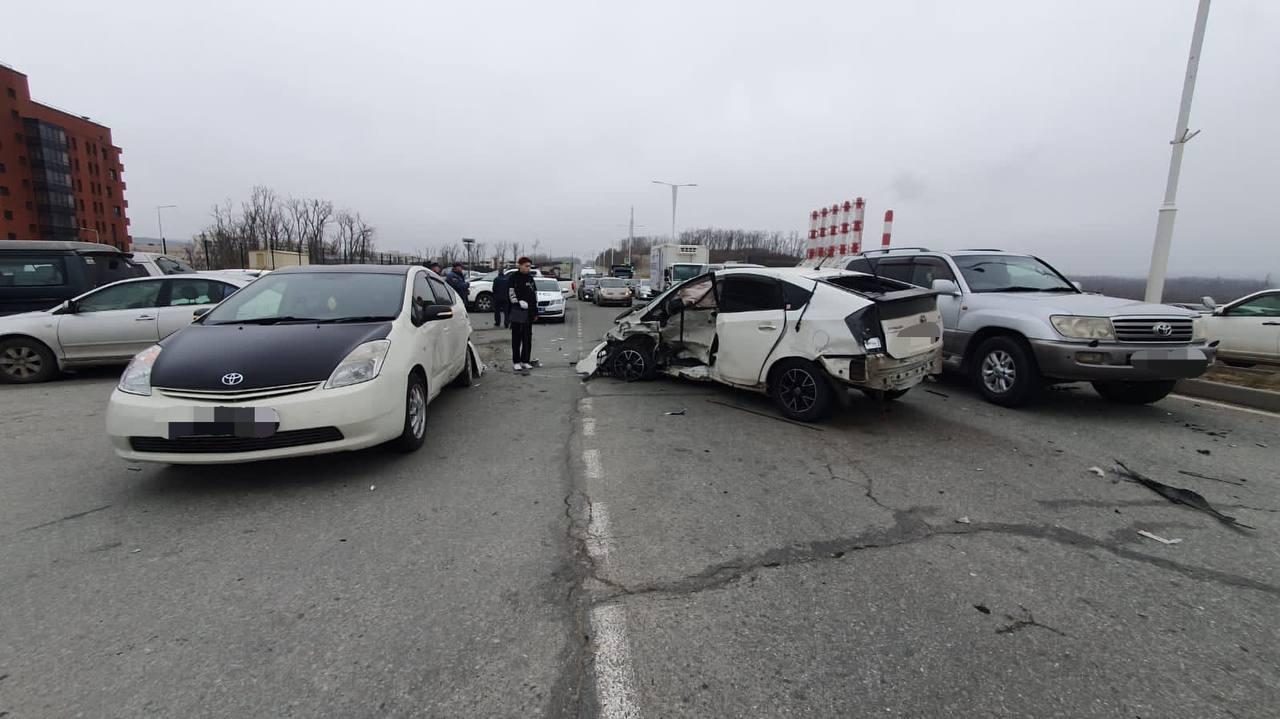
{"x":60,"y":174}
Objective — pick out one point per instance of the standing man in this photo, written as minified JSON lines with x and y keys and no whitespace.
{"x":501,"y":302}
{"x":457,"y":279}
{"x":523,"y":295}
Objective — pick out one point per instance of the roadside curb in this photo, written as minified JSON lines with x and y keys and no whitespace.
{"x":1232,"y":394}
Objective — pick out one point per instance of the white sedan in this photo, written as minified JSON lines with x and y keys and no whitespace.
{"x":306,"y":360}
{"x":107,"y":325}
{"x":1248,"y":329}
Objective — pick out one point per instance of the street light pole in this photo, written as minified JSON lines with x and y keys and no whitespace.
{"x":1169,"y":210}
{"x":675,"y":192}
{"x":469,"y":243}
{"x":164,"y":246}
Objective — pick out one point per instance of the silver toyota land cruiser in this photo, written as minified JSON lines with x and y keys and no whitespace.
{"x":1014,"y":324}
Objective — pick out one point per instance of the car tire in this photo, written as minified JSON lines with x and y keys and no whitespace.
{"x":885,"y":395}
{"x":634,"y":361}
{"x":484,"y":302}
{"x":1134,"y":392}
{"x":25,"y":360}
{"x":1005,"y":372}
{"x":467,"y":376}
{"x":801,"y":390}
{"x":415,"y":416}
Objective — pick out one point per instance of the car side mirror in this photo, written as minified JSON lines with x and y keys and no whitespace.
{"x":69,"y":308}
{"x":432,"y":313}
{"x":1208,"y":301}
{"x":200,"y":313}
{"x":946,"y":287}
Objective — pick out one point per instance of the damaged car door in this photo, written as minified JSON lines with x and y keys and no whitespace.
{"x":750,"y":324}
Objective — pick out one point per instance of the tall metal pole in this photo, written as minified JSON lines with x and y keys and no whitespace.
{"x":164,"y":246}
{"x":631,"y":236}
{"x":1169,"y":210}
{"x":675,"y":190}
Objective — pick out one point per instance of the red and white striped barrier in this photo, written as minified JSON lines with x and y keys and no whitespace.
{"x":858,"y":208}
{"x":813,"y":236}
{"x":836,"y":231}
{"x":888,"y":228}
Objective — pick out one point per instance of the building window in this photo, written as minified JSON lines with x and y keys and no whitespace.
{"x":10,"y":92}
{"x":113,"y":231}
{"x":82,"y":204}
{"x":13,"y":236}
{"x":104,"y":153}
{"x":14,"y":113}
{"x":4,"y":190}
{"x":26,"y":184}
{"x":8,"y":214}
{"x":2,"y":167}
{"x":108,"y":192}
{"x":112,"y":174}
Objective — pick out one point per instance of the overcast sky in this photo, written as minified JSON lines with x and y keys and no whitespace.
{"x":1039,"y":126}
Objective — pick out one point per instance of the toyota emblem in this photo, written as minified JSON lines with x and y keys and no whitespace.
{"x":232,"y":379}
{"x":1164,"y":329}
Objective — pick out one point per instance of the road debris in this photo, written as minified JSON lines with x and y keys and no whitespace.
{"x":1197,"y":475}
{"x":372,"y":487}
{"x":677,"y":413}
{"x":1203,"y":451}
{"x":1177,"y":495}
{"x":940,"y":394}
{"x":1261,"y":444}
{"x":1158,"y":538}
{"x":1098,"y":471}
{"x":134,"y":469}
{"x":982,"y":608}
{"x":963,"y":520}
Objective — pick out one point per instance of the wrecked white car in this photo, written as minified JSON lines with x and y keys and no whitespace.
{"x":798,"y":334}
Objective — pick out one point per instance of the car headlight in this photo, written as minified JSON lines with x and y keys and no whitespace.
{"x":1083,"y":328}
{"x":361,"y":365}
{"x":1199,"y":329}
{"x":137,"y":376}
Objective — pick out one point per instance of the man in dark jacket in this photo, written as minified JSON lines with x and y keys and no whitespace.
{"x":457,"y":279}
{"x":501,"y":302}
{"x":523,"y":295}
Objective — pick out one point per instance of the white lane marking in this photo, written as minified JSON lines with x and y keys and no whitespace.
{"x":1224,"y":405}
{"x":615,"y":677}
{"x":591,"y":458}
{"x":598,"y":536}
{"x":584,"y":405}
{"x":588,"y":427}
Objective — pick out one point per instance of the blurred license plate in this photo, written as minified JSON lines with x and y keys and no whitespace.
{"x":227,"y":422}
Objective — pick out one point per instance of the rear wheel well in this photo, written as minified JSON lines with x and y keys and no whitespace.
{"x":987,"y":333}
{"x":771,"y":376}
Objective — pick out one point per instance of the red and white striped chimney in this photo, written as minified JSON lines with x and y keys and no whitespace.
{"x":833,"y":229}
{"x":846,"y":210}
{"x":813,"y":235}
{"x":888,"y":228}
{"x":859,"y":207}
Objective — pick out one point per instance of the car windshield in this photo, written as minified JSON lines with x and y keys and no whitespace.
{"x":1010,"y":273}
{"x":680,"y":273}
{"x":547,"y":285}
{"x":613,"y":283}
{"x":313,"y":297}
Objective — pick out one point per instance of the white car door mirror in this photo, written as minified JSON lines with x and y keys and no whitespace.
{"x":1209,"y":302}
{"x":946,"y":287}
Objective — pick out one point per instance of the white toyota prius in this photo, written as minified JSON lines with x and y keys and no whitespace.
{"x":306,"y":360}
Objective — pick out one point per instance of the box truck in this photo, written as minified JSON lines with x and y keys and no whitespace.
{"x":671,"y":264}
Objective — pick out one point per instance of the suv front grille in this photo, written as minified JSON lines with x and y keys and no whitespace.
{"x":1153,"y":329}
{"x":228,"y":445}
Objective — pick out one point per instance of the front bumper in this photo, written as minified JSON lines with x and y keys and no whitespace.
{"x":882,"y":372}
{"x":1077,"y":361}
{"x":551,"y":312}
{"x":366,"y":414}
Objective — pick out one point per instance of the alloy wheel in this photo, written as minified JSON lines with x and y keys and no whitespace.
{"x":798,"y":390}
{"x":417,"y":410}
{"x":629,"y":364}
{"x":21,"y":362}
{"x":999,"y":372}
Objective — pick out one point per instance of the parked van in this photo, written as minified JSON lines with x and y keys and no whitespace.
{"x":38,"y":275}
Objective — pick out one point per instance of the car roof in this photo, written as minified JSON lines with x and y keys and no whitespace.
{"x":786,"y":273}
{"x":47,"y":245}
{"x":351,"y":269}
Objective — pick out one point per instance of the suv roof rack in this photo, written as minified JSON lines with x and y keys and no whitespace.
{"x":888,"y":250}
{"x":981,"y":249}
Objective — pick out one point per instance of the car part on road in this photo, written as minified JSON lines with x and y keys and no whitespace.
{"x":24,"y":360}
{"x":1178,"y":495}
{"x":1005,"y":373}
{"x":1158,"y":538}
{"x":415,"y":416}
{"x":1135,"y":392}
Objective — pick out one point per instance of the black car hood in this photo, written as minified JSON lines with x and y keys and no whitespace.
{"x":266,"y":355}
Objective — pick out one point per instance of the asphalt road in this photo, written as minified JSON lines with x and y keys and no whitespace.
{"x":570,"y":549}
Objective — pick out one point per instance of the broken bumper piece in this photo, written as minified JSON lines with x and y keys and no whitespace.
{"x":882,"y":372}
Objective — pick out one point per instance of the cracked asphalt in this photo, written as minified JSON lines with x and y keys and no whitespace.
{"x":583,"y":553}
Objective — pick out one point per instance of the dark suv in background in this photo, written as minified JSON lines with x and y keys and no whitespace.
{"x":37,"y":275}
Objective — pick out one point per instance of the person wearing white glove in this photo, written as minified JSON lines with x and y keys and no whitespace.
{"x":523,"y":293}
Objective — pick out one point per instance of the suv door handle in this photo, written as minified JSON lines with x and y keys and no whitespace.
{"x":144,"y":318}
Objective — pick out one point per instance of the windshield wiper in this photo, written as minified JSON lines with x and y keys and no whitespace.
{"x":267,"y":321}
{"x":365,"y":318}
{"x":1023,"y":288}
